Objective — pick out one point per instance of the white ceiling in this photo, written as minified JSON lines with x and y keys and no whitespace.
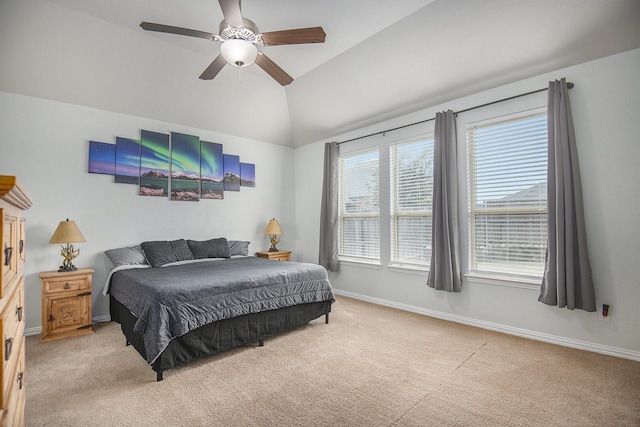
{"x":381,"y":58}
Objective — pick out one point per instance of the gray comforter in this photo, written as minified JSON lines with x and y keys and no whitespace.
{"x":173,"y":300}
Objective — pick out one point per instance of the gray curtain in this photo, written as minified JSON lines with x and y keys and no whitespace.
{"x":567,"y":278}
{"x":328,"y":256}
{"x":444,"y":272}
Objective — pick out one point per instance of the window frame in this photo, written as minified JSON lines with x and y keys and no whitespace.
{"x":513,"y":279}
{"x":343,"y":214}
{"x":395,"y":212}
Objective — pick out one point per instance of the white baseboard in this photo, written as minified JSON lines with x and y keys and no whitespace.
{"x":525,"y":333}
{"x":38,"y":329}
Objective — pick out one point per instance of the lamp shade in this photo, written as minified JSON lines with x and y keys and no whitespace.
{"x":67,"y":232}
{"x":239,"y":53}
{"x":273,"y":227}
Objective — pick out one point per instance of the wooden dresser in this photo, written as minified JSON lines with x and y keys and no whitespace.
{"x":13,"y":200}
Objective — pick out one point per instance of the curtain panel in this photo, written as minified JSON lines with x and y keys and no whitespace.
{"x":567,"y":280}
{"x":444,"y":271}
{"x":328,"y":250}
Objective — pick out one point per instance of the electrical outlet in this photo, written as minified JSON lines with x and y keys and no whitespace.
{"x":605,"y":308}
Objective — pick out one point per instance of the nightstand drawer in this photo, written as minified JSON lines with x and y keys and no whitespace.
{"x":67,"y":284}
{"x":275,"y":255}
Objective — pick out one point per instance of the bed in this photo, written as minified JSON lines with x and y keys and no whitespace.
{"x":182,"y":300}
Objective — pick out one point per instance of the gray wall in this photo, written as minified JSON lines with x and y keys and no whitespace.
{"x":45,"y":143}
{"x":605,"y":103}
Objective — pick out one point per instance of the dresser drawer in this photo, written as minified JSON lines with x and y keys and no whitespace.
{"x":12,"y":326}
{"x":10,"y":250}
{"x":15,"y":392}
{"x":54,"y":285}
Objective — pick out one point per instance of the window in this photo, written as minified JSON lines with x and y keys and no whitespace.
{"x":507,"y":178}
{"x":411,"y":170}
{"x":359,"y":204}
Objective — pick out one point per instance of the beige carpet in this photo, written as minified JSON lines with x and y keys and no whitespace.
{"x":370,"y":366}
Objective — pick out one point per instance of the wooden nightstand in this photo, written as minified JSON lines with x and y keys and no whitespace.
{"x":277,"y":255}
{"x":66,"y":304}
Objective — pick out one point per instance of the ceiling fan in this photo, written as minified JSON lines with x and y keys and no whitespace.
{"x":240,"y":38}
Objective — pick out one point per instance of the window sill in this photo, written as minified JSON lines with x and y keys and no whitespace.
{"x":361,"y":263}
{"x":408,"y":269}
{"x":510,"y":282}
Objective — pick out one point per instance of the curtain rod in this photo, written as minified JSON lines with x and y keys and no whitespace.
{"x":569,"y":85}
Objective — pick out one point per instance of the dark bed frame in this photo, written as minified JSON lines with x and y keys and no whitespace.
{"x":221,"y":335}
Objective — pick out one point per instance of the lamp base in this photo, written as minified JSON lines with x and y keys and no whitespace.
{"x":274,"y":241}
{"x":67,"y":268}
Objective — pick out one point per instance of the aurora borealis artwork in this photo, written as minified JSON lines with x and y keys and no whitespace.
{"x":231,"y":172}
{"x":177,"y":165}
{"x":127,"y":161}
{"x":185,"y":167}
{"x":211,"y":171}
{"x":102,"y":158}
{"x":154,"y":164}
{"x":247,"y":175}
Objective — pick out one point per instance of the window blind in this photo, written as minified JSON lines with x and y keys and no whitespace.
{"x":359,"y":202}
{"x":507,"y":178}
{"x":411,"y":172}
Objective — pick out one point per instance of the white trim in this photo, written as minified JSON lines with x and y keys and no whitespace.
{"x":525,"y":333}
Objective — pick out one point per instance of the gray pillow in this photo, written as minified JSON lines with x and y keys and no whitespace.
{"x":238,"y":247}
{"x":161,"y":252}
{"x":127,"y":256}
{"x":213,"y":248}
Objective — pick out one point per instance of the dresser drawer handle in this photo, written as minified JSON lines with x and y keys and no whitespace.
{"x":19,"y":313}
{"x":20,"y":380}
{"x":8,"y":251}
{"x":8,"y":345}
{"x":67,"y":286}
{"x":21,"y":246}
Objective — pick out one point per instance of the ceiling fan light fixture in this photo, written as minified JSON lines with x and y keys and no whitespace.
{"x":239,"y":53}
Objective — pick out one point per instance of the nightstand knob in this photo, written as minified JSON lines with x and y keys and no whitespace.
{"x":51,"y":319}
{"x":67,"y":286}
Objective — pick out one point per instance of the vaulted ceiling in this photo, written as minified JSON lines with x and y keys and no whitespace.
{"x":381,"y":58}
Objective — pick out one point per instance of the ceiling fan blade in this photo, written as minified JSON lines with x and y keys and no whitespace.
{"x":231,"y":12}
{"x":214,"y":68}
{"x":273,"y":70}
{"x":161,"y":28}
{"x":297,"y":36}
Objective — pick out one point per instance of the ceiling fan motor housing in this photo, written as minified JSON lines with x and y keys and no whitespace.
{"x":247,"y":32}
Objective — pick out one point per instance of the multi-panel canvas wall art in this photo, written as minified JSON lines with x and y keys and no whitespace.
{"x":185,"y":167}
{"x":154,"y":164}
{"x":102,"y":158}
{"x":177,"y":165}
{"x":127,"y":161}
{"x":247,"y":175}
{"x":211,"y":171}
{"x":231,"y":172}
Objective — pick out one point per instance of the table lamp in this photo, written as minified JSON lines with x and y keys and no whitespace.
{"x":67,"y":233}
{"x":273,"y":230}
